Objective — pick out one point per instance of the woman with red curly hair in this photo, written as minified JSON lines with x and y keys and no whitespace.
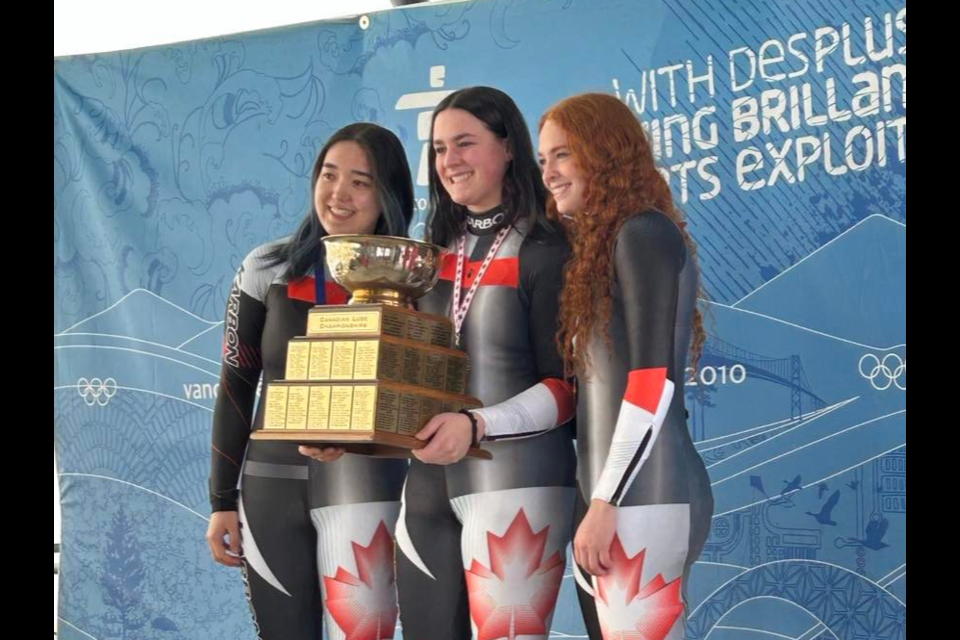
{"x":628,"y":320}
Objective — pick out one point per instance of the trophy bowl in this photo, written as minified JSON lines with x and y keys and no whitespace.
{"x":382,"y":269}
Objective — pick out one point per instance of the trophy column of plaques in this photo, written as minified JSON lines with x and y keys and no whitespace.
{"x":370,"y":374}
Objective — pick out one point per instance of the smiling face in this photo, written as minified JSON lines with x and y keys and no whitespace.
{"x":563,"y":177}
{"x":470,"y":160}
{"x":345,"y":196}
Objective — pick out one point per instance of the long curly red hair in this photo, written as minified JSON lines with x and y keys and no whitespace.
{"x":609,"y":145}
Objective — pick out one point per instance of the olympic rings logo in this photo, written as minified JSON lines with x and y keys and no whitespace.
{"x":97,"y":391}
{"x":884,"y":373}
